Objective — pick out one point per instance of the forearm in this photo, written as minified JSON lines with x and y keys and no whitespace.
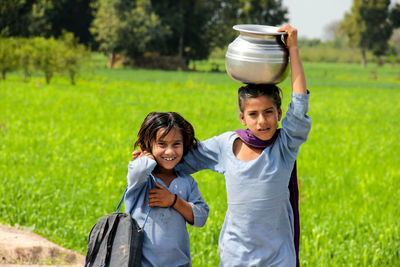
{"x":185,"y":209}
{"x":298,"y":77}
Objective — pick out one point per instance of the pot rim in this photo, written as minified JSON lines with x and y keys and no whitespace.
{"x":257,"y":29}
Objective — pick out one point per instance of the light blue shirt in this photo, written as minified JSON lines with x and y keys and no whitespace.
{"x":258,"y":229}
{"x":166,"y":239}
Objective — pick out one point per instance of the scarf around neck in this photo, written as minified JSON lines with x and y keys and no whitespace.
{"x":254,"y":142}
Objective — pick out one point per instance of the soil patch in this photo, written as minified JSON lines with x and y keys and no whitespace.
{"x":19,"y":248}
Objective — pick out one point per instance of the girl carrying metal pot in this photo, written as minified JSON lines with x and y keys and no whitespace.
{"x":261,"y":226}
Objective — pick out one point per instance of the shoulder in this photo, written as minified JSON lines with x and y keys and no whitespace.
{"x":227,"y":134}
{"x":217,"y":144}
{"x":224,"y":137}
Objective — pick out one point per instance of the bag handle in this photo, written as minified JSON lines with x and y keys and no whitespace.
{"x":122,"y":199}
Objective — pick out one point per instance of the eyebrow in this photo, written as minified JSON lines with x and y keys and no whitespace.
{"x":173,"y":141}
{"x":263,"y":110}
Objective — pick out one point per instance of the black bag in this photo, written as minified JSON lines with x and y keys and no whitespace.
{"x":115,"y":241}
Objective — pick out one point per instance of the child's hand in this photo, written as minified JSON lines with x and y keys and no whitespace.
{"x":138,"y":153}
{"x":160,"y":197}
{"x":291,"y":37}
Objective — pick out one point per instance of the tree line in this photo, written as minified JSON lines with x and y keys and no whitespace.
{"x":49,"y":55}
{"x":165,"y":32}
{"x":369,"y":26}
{"x":183,"y":29}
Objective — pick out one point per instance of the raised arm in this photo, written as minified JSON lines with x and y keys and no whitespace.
{"x":205,"y":156}
{"x":298,"y":77}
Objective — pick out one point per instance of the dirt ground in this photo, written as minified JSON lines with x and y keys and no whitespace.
{"x":19,"y":248}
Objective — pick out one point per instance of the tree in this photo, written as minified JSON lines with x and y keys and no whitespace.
{"x":266,"y":12}
{"x":9,"y":57}
{"x":47,"y":56}
{"x":186,"y":22}
{"x":71,"y":16}
{"x":395,"y":15}
{"x":368,"y":26}
{"x":47,"y":18}
{"x":198,"y":26}
{"x":14,"y":16}
{"x":72,"y":54}
{"x":125,"y":26}
{"x":26,"y":52}
{"x":24,"y":18}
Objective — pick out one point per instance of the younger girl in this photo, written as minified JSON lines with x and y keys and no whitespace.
{"x":259,"y":227}
{"x":174,"y":198}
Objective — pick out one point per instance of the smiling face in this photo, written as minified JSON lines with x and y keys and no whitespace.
{"x":168,"y":150}
{"x":261,"y":116}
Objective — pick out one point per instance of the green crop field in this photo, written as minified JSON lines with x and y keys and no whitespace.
{"x":64,"y":152}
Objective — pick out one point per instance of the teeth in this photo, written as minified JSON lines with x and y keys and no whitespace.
{"x":169,"y":159}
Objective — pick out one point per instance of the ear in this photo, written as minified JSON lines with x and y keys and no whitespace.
{"x":279,"y":114}
{"x":241,"y":118}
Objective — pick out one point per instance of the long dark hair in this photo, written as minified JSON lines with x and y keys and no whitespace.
{"x":255,"y":90}
{"x":167,"y":121}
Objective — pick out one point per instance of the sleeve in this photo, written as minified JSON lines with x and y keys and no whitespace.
{"x":205,"y":156}
{"x":139,"y":172}
{"x":297,"y":124}
{"x":199,"y":206}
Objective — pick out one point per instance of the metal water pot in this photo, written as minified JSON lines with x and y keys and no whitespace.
{"x":257,"y":55}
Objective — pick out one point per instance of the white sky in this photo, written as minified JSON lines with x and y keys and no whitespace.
{"x":310,"y":17}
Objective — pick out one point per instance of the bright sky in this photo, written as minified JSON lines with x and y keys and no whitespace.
{"x":310,"y":17}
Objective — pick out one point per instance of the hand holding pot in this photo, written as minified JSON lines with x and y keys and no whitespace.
{"x":290,"y":37}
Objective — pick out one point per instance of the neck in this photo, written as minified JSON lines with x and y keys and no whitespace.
{"x":252,"y":141}
{"x":165,"y":175}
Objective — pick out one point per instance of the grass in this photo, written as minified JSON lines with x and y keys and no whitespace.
{"x":64,"y":151}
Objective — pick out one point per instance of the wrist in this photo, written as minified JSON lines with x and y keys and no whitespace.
{"x":174,"y":202}
{"x":293,"y":48}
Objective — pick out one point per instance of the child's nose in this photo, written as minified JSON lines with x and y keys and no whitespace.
{"x":261,"y":120}
{"x":169,"y":149}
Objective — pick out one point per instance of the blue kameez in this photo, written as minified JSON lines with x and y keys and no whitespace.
{"x":166,"y":239}
{"x":258,"y":228}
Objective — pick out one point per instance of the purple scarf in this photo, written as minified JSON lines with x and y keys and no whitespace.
{"x":252,"y":141}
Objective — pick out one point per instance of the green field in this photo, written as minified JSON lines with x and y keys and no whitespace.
{"x":64,"y":152}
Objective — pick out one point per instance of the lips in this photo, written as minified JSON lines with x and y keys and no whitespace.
{"x":264,"y":130}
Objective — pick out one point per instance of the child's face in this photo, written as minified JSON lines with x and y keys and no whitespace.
{"x":261,"y":116}
{"x":168,"y":150}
